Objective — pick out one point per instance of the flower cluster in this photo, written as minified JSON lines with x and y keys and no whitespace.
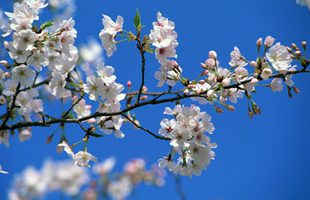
{"x":53,"y":176}
{"x":103,"y":86}
{"x":109,"y":32}
{"x":72,"y":181}
{"x":188,"y":140}
{"x":164,"y":39}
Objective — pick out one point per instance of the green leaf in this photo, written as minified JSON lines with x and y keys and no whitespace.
{"x":137,"y":20}
{"x":95,"y":135}
{"x":46,"y":25}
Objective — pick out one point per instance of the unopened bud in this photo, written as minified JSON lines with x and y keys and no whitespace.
{"x":231,"y":108}
{"x":143,"y":98}
{"x":213,"y":55}
{"x":144,"y":88}
{"x":129,"y":84}
{"x":298,"y":53}
{"x":296,"y":90}
{"x":269,"y":41}
{"x":259,"y":42}
{"x":253,"y":64}
{"x":91,"y":120}
{"x":294,"y":46}
{"x":218,"y":109}
{"x":304,"y":44}
{"x":289,"y":49}
{"x":205,"y":72}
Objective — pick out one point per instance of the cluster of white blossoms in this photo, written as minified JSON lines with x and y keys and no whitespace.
{"x":102,"y":87}
{"x":109,"y":32}
{"x":53,"y":176}
{"x":188,"y":140}
{"x":164,"y":39}
{"x":73,"y":181}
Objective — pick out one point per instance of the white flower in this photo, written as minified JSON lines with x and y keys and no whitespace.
{"x":237,"y":60}
{"x":93,"y":87}
{"x":37,"y":60}
{"x":241,"y":73}
{"x":266,"y":73}
{"x":109,"y":31}
{"x":24,"y":40}
{"x":276,"y":85}
{"x":9,"y":87}
{"x":17,"y":54}
{"x":57,"y":85}
{"x":280,"y":58}
{"x":164,"y":38}
{"x":64,"y":146}
{"x":81,"y":109}
{"x":23,"y":74}
{"x":106,"y":73}
{"x":82,"y":158}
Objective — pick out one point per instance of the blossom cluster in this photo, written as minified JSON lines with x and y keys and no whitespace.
{"x":188,"y":140}
{"x":73,"y":181}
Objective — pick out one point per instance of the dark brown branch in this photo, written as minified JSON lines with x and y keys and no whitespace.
{"x":142,"y":54}
{"x":144,"y":129}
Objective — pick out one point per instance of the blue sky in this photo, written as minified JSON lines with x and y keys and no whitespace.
{"x":263,"y":158}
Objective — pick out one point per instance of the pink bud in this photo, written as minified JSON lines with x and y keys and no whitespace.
{"x":143,"y":98}
{"x":129,"y":84}
{"x":205,"y":72}
{"x":269,"y":41}
{"x":212,"y":54}
{"x":144,"y":89}
{"x":91,"y":120}
{"x":304,"y":43}
{"x":231,"y":108}
{"x":253,"y":64}
{"x":259,"y":42}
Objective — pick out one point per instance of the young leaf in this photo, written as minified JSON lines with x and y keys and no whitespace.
{"x":137,"y":20}
{"x":46,"y":25}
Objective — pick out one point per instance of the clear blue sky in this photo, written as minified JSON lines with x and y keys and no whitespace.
{"x":264,"y":158}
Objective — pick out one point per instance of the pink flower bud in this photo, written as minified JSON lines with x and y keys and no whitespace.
{"x":143,"y":98}
{"x":91,"y":120}
{"x":269,"y":41}
{"x":213,"y":55}
{"x":259,"y":42}
{"x":144,"y":89}
{"x":253,"y":64}
{"x":231,"y":108}
{"x":205,"y":72}
{"x":210,"y":63}
{"x":304,"y":44}
{"x":129,"y":84}
{"x":294,"y":46}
